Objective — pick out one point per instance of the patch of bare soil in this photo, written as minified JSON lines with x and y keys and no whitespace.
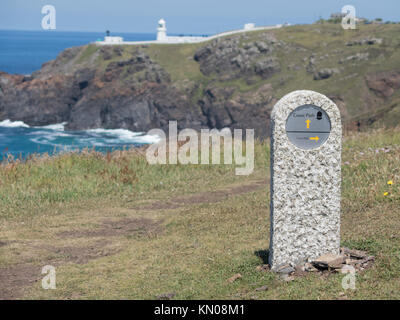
{"x":204,"y":197}
{"x":137,"y":228}
{"x":79,"y":254}
{"x":3,"y":243}
{"x":14,"y":279}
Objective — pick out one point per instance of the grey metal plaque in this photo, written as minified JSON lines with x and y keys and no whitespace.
{"x":308,"y":127}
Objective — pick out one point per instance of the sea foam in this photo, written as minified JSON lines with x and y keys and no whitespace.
{"x":57,"y":126}
{"x":126,"y":136}
{"x":13,"y":124}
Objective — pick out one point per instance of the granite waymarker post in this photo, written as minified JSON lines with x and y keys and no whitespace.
{"x":305,"y":178}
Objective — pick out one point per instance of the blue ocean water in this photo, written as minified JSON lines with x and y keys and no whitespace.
{"x":23,"y":52}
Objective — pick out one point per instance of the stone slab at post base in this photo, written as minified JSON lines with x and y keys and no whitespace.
{"x":305,"y":183}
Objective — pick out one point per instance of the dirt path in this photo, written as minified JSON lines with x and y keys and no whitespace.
{"x":98,"y":241}
{"x":205,"y":197}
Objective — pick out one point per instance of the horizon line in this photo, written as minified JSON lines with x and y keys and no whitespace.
{"x":91,"y":31}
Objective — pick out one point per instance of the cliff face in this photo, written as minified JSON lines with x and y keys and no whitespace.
{"x":229,"y":82}
{"x":92,"y":97}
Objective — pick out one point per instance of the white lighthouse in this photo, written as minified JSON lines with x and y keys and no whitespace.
{"x":162,"y":31}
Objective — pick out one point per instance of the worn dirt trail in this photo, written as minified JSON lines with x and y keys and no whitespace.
{"x":98,"y":239}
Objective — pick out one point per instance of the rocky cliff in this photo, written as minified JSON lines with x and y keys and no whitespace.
{"x":229,"y":82}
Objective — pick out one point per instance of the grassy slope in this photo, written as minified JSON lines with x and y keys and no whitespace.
{"x":327,"y":39}
{"x":201,"y":244}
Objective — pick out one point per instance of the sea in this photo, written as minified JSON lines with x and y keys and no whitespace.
{"x":23,"y":52}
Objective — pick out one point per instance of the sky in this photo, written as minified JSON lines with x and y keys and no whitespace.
{"x":182,"y":16}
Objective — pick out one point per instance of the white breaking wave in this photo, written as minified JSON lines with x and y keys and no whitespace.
{"x":117,"y":132}
{"x":53,"y":133}
{"x":57,"y":126}
{"x":147,"y":139}
{"x":92,"y":137}
{"x":126,"y":136}
{"x":13,"y":124}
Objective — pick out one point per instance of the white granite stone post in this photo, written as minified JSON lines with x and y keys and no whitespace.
{"x":305,"y":178}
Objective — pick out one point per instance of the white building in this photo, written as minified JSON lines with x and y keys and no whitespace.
{"x":113,"y":40}
{"x":249,"y":26}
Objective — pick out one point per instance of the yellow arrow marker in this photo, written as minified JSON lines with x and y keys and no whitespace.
{"x":314,"y":138}
{"x":308,"y":123}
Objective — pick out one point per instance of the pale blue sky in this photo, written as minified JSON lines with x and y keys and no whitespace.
{"x":182,"y":16}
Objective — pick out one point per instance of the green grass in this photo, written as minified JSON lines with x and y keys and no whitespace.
{"x":27,"y":188}
{"x":86,"y":53}
{"x":202,"y":243}
{"x":178,"y":60}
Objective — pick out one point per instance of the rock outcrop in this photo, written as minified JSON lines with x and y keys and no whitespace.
{"x":365,"y":41}
{"x":325,"y":73}
{"x":384,"y":84}
{"x":229,"y":59}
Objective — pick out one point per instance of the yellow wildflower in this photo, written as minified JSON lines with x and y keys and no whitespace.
{"x":386,"y":194}
{"x":390,"y":182}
